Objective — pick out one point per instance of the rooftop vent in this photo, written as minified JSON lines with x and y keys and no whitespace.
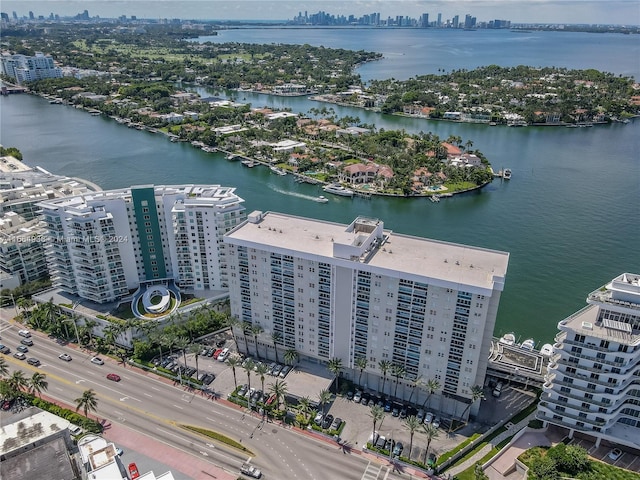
{"x":587,"y":325}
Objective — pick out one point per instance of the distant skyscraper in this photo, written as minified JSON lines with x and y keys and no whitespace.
{"x":15,"y":16}
{"x":439,"y":19}
{"x":31,"y":16}
{"x":456,"y":21}
{"x":425,"y":20}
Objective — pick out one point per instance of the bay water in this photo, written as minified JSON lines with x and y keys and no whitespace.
{"x":569,"y":216}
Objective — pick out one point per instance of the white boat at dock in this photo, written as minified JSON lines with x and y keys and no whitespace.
{"x":506,"y":174}
{"x":528,"y":344}
{"x":338,"y":189}
{"x":277,"y":170}
{"x":248,"y":163}
{"x":322,"y":199}
{"x":508,"y":339}
{"x":435,"y":198}
{"x":231,"y":157}
{"x":547,"y":350}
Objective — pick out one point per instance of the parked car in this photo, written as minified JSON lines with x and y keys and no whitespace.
{"x":431,"y":461}
{"x":65,"y":356}
{"x":286,"y":369}
{"x":357,"y":396}
{"x":318,"y":419}
{"x":335,"y":425}
{"x":395,"y":411}
{"x":397,"y":450}
{"x":97,"y":360}
{"x":113,"y":377}
{"x":5,"y":349}
{"x":436,"y":422}
{"x":24,"y":333}
{"x":216,"y":353}
{"x":615,"y":454}
{"x":250,"y":470}
{"x":420,"y":415}
{"x":497,"y":391}
{"x":428,"y":418}
{"x":133,"y":471}
{"x":208,"y":378}
{"x":20,"y":355}
{"x":220,"y":343}
{"x":27,"y":341}
{"x":381,"y":442}
{"x":349,"y":395}
{"x":277,"y":370}
{"x":75,"y":430}
{"x":223,"y":355}
{"x":403,"y":412}
{"x":33,"y":361}
{"x":22,"y":348}
{"x":328,"y":420}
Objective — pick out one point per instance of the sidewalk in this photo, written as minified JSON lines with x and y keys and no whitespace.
{"x":487,"y":448}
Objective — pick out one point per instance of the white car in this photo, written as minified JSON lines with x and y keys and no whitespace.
{"x":24,"y":333}
{"x":223,"y":355}
{"x":97,"y":360}
{"x":65,"y":356}
{"x":250,"y":470}
{"x":615,"y":454}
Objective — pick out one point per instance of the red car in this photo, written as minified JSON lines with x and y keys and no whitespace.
{"x":114,"y":377}
{"x":133,"y":471}
{"x":217,"y":352}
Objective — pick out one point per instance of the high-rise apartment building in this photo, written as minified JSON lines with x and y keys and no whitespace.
{"x":102,"y":246}
{"x":347,"y":291}
{"x":592,"y":384}
{"x":23,"y":68}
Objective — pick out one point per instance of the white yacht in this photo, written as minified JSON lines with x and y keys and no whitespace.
{"x":506,"y":174}
{"x":322,"y":199}
{"x":338,"y":189}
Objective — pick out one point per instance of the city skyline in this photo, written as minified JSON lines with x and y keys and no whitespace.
{"x":619,"y":12}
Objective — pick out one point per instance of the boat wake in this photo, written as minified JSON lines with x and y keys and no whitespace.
{"x":293,"y":194}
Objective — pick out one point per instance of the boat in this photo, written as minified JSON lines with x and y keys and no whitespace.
{"x":338,"y":189}
{"x":248,"y":163}
{"x":547,"y":350}
{"x":231,"y":157}
{"x":435,"y":198}
{"x":506,"y":173}
{"x":277,"y":170}
{"x":322,"y":199}
{"x":528,"y":344}
{"x":508,"y":339}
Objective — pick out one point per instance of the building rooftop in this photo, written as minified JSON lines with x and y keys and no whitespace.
{"x":451,"y":264}
{"x":586,"y":322}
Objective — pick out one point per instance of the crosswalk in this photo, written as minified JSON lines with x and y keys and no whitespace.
{"x":372,"y":472}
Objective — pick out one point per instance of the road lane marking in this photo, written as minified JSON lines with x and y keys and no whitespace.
{"x":177,"y":406}
{"x":148,"y":395}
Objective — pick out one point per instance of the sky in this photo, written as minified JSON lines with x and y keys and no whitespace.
{"x":618,"y":12}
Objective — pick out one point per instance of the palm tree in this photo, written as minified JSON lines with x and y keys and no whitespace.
{"x":432,"y":386}
{"x":38,"y":383}
{"x":255,"y":331}
{"x":361,"y":363}
{"x":377,"y":415}
{"x":233,"y":362}
{"x":88,"y":402}
{"x":415,"y":384}
{"x":476,"y":394}
{"x":397,"y":371}
{"x":4,"y":367}
{"x":277,"y":340}
{"x":196,"y":349}
{"x":262,"y":371}
{"x":305,"y":406}
{"x":290,"y":356}
{"x":16,"y":383}
{"x":279,"y":390}
{"x":431,"y":432}
{"x":181,"y":343}
{"x":384,"y":366}
{"x":412,"y":423}
{"x":248,"y":366}
{"x":335,"y":367}
{"x":324,"y":397}
{"x":234,"y":323}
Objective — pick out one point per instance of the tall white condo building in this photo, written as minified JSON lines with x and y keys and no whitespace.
{"x":359,"y":291}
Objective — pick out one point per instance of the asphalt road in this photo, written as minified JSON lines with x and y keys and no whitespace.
{"x":150,"y":406}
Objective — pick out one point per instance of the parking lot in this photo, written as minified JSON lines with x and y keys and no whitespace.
{"x":625,"y":459}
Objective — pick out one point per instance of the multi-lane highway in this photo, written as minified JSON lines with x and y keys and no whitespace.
{"x":152,"y":407}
